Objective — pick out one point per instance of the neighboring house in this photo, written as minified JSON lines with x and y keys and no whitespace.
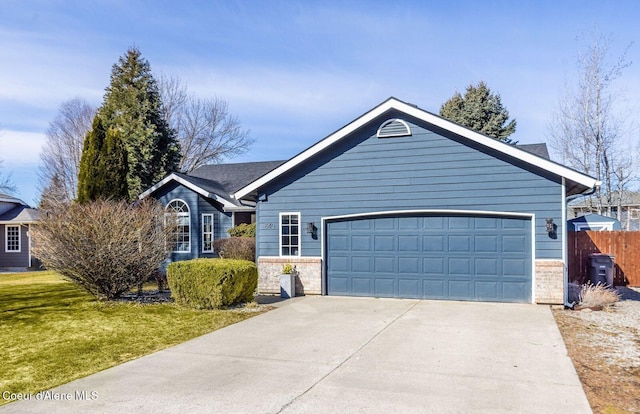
{"x":16,"y":218}
{"x":628,"y":216}
{"x":204,"y":206}
{"x":403,"y":203}
{"x":593,"y":222}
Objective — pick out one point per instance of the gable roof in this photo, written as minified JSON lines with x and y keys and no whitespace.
{"x":576,"y":182}
{"x":20,"y":214}
{"x":10,"y":199}
{"x":218,"y":181}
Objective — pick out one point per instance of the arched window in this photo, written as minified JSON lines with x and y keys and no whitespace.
{"x":181,"y":240}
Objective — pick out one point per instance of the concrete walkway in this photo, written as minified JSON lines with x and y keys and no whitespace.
{"x":343,"y":355}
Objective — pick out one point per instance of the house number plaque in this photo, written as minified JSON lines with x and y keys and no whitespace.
{"x":268,"y":226}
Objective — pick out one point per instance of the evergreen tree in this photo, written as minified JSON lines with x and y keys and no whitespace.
{"x":103,"y":171}
{"x":132,"y":107}
{"x":482,"y":111}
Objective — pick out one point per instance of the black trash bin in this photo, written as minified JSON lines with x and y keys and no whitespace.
{"x":601,"y":269}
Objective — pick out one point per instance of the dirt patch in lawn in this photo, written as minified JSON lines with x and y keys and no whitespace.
{"x":605,"y":349}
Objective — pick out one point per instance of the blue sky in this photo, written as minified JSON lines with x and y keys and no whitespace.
{"x":295,"y":71}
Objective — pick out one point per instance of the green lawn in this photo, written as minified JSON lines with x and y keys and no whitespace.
{"x":52,"y":333}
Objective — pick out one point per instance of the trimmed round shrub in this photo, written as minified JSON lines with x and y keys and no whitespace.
{"x":212,"y":283}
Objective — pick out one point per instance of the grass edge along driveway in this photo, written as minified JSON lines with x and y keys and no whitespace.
{"x":51,"y":332}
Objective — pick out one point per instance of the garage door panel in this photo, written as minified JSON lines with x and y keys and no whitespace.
{"x":338,"y":243}
{"x":486,"y":223}
{"x":433,"y":265}
{"x":515,"y":267}
{"x":459,"y":266}
{"x":514,"y":244}
{"x":514,"y":290}
{"x":339,"y":264}
{"x":486,"y":243}
{"x":487,"y":290}
{"x":460,"y":289}
{"x":385,"y":287}
{"x":434,"y":289}
{"x":487,"y":267}
{"x":460,"y":243}
{"x":408,"y":243}
{"x":409,"y":223}
{"x":434,"y":257}
{"x":360,"y":225}
{"x":409,"y":288}
{"x":459,"y":223}
{"x":409,"y":265}
{"x":362,"y":286}
{"x":360,"y":243}
{"x":433,"y":244}
{"x":340,"y":285}
{"x":384,"y":264}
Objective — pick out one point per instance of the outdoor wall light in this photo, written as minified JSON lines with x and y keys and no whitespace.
{"x":550,"y":226}
{"x":312,"y":229}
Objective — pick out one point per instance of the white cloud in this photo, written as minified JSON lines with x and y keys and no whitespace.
{"x":20,"y":148}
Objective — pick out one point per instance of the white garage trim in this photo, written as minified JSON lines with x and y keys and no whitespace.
{"x":426,"y":212}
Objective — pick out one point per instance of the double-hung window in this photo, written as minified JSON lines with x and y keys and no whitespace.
{"x":12,"y":239}
{"x":181,"y":239}
{"x":207,"y":233}
{"x":290,"y":234}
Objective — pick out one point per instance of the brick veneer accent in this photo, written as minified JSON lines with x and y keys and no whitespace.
{"x":549,"y":282}
{"x":308,"y":282}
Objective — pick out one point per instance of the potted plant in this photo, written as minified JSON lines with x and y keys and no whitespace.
{"x":288,"y":281}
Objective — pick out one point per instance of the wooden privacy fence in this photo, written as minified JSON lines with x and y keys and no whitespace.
{"x":624,"y":245}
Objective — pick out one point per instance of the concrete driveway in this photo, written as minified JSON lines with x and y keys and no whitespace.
{"x":337,"y":355}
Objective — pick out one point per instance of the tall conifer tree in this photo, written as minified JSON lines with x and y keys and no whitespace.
{"x":103,"y":168}
{"x":133,"y":109}
{"x":480,"y":110}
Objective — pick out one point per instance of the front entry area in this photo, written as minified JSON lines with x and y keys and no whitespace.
{"x":455,"y":257}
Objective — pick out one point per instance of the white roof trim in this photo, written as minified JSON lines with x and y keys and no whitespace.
{"x":13,"y":200}
{"x":173,"y":177}
{"x":393,"y":103}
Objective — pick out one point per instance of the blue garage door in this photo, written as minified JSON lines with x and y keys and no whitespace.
{"x":430,"y":257}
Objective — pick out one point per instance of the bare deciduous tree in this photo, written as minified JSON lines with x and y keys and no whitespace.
{"x":207,"y":132}
{"x":107,"y":247}
{"x":6,"y":183}
{"x":587,"y":130}
{"x":60,"y":157}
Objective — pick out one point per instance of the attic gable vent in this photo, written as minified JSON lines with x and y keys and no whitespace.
{"x":394,"y":128}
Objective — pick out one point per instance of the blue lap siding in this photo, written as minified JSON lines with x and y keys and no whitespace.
{"x":433,"y":169}
{"x":14,"y":259}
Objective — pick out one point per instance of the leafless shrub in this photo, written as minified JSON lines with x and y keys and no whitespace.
{"x":597,"y":296}
{"x":107,"y":247}
{"x":241,"y":248}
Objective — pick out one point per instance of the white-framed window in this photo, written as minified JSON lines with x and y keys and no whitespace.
{"x":290,"y":234}
{"x":181,"y":240}
{"x":207,"y":233}
{"x":12,"y":239}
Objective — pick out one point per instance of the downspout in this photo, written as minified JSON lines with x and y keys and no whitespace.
{"x":564,"y":225}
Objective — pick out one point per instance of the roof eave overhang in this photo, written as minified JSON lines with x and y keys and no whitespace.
{"x":174,"y":177}
{"x":393,"y":104}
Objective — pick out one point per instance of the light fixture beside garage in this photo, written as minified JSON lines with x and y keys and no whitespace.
{"x":312,"y":230}
{"x":551,"y":227}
